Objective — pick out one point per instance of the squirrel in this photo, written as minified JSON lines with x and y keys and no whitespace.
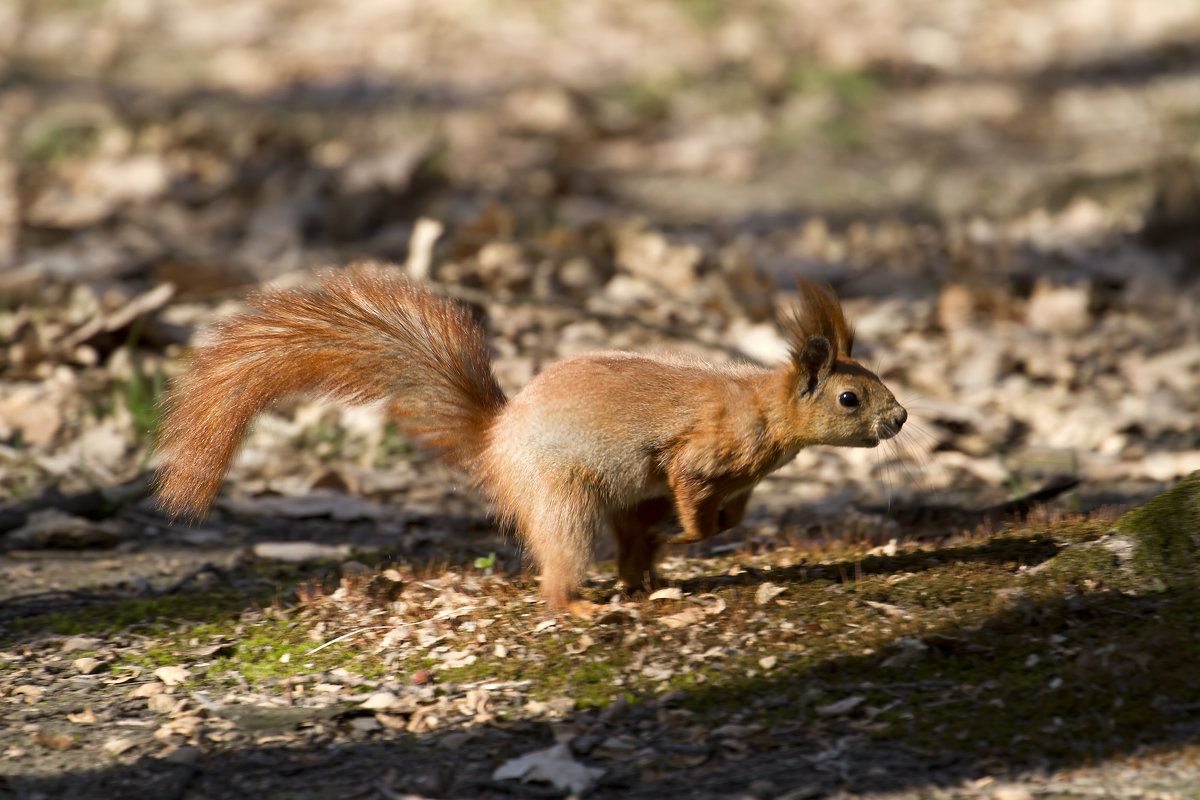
{"x":607,"y":441}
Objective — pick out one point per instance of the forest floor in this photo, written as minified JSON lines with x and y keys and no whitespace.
{"x":1006,"y":198}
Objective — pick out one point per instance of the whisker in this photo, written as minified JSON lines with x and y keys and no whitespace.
{"x":885,"y":477}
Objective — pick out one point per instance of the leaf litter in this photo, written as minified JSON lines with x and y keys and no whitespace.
{"x":868,"y":628}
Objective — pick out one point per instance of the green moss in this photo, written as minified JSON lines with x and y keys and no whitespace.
{"x":704,"y":14}
{"x":51,"y":140}
{"x":1166,"y":533}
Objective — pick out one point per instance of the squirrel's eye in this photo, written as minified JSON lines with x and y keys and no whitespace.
{"x":848,"y":399}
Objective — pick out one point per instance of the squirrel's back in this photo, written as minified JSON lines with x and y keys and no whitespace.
{"x":613,"y":421}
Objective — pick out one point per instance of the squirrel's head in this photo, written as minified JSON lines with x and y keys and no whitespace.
{"x":835,"y":399}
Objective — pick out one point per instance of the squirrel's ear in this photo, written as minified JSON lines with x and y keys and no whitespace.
{"x":814,"y":361}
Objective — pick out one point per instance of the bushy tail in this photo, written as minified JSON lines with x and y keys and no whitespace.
{"x":359,"y":336}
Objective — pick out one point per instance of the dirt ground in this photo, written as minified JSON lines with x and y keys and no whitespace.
{"x":1006,"y":197}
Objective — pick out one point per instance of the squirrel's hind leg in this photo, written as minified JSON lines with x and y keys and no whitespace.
{"x":637,"y":546}
{"x":561,"y":537}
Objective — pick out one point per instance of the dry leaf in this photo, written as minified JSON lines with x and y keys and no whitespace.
{"x":147,"y":689}
{"x":87,"y":665}
{"x":839,"y":707}
{"x":162,"y":703}
{"x":117,"y":745}
{"x":172,"y":675}
{"x":393,"y":722}
{"x":55,"y":741}
{"x":669,"y":593}
{"x":85,"y":717}
{"x":767,"y":592}
{"x":380,"y":700}
{"x":456,"y":659}
{"x":888,"y":609}
{"x":683,"y":619}
{"x":32,"y":692}
{"x":712,"y":604}
{"x":554,"y":765}
{"x":585,"y":641}
{"x":184,"y":726}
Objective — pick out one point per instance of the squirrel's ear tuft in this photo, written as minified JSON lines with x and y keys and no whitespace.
{"x":814,"y":361}
{"x":818,"y":313}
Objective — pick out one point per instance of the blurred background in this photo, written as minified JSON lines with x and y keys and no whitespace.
{"x":1003,"y":192}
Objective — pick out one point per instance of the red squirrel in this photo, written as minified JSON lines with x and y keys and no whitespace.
{"x":609,"y":441}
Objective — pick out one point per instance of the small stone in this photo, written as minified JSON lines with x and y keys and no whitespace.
{"x":118,"y":745}
{"x":148,"y":689}
{"x":1011,"y":793}
{"x":161,"y":703}
{"x":78,"y":643}
{"x":380,"y":701}
{"x":29,"y":690}
{"x":299,"y":552}
{"x":87,"y":665}
{"x":365,"y":724}
{"x":422,"y":677}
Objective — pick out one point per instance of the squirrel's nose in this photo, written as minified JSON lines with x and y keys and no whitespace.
{"x":901,"y":418}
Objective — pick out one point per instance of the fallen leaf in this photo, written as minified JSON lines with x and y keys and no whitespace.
{"x":554,"y":765}
{"x":1011,"y":793}
{"x":117,"y":745}
{"x":87,"y":665}
{"x":839,"y":707}
{"x":172,"y":675}
{"x":767,"y":592}
{"x":380,"y":701}
{"x":457,"y":659}
{"x":683,"y":619}
{"x":712,"y":604}
{"x":365,"y":724}
{"x":581,"y":645}
{"x":888,"y":609}
{"x":31,"y":691}
{"x":162,"y":703}
{"x":217,"y":649}
{"x":669,"y":593}
{"x":85,"y":717}
{"x":55,"y":741}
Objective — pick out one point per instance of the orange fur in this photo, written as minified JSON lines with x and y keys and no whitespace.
{"x":601,"y":443}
